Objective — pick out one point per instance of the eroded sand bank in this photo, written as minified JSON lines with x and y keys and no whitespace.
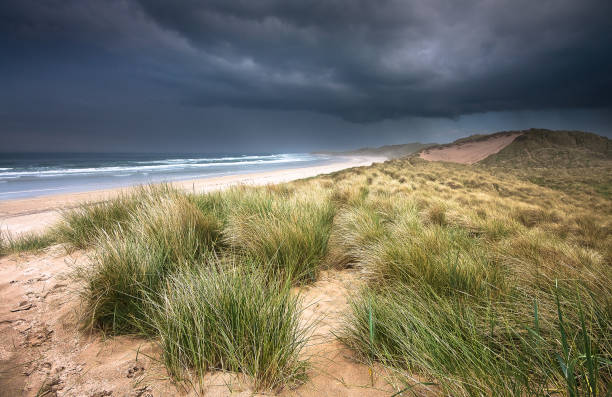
{"x":469,"y":152}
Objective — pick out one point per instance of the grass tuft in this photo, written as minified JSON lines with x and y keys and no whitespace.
{"x":164,"y":235}
{"x":289,"y":234}
{"x":25,"y":242}
{"x":230,"y":319}
{"x":81,"y":227}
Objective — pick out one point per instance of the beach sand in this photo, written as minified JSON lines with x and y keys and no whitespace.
{"x":35,"y":214}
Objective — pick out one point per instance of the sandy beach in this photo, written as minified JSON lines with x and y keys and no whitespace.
{"x":35,"y":214}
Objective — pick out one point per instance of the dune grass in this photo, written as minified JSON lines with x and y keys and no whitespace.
{"x":80,"y":227}
{"x":3,"y":244}
{"x":478,"y":281}
{"x":162,"y":235}
{"x":229,"y":318}
{"x":289,"y":233}
{"x":165,"y":272}
{"x":486,"y":292}
{"x":479,"y":347}
{"x":24,"y":242}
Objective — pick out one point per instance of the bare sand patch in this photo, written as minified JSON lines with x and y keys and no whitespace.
{"x":469,"y":152}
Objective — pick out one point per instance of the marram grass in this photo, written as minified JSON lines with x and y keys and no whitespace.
{"x":228,"y":318}
{"x":481,"y":283}
{"x":164,"y":235}
{"x":24,"y":242}
{"x":287,"y":233}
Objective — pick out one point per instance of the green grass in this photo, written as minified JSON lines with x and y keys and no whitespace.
{"x":229,"y":318}
{"x":479,"y":347}
{"x":456,"y":259}
{"x":80,"y":227}
{"x":25,"y":242}
{"x":287,"y":233}
{"x":162,"y":236}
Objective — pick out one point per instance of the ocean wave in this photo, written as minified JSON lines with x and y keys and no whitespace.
{"x":213,"y":160}
{"x":30,"y":191}
{"x":184,"y":164}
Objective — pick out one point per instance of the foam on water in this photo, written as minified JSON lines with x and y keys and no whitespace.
{"x":27,"y":175}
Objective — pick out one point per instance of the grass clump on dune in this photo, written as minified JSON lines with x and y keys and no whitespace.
{"x":505,"y":348}
{"x":3,"y":244}
{"x":289,"y":233}
{"x":24,"y":242}
{"x":80,"y":227}
{"x":232,"y":319}
{"x":158,"y":238}
{"x":164,"y":272}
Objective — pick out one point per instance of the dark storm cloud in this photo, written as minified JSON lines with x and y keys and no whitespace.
{"x":360,"y":60}
{"x":99,"y":71}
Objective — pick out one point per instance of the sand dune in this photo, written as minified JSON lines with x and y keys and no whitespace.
{"x":469,"y":152}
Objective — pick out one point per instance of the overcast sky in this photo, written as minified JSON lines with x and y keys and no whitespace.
{"x":286,"y":75}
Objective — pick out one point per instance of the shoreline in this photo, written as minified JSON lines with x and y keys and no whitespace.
{"x":36,"y":213}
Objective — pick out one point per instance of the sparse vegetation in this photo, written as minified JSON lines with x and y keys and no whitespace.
{"x":479,"y":279}
{"x":24,"y":242}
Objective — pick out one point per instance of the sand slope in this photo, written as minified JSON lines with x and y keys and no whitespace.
{"x":469,"y":152}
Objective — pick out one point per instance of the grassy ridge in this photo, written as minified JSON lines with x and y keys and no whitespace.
{"x":558,"y":149}
{"x":477,"y":279}
{"x":577,"y":163}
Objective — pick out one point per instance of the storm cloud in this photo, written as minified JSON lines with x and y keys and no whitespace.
{"x":95,"y":67}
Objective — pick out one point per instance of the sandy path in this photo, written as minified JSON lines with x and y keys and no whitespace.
{"x":34,"y":214}
{"x":471,"y":152}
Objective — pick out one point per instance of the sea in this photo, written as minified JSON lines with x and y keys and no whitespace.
{"x":24,"y":175}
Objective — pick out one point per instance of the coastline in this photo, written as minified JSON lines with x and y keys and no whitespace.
{"x":35,"y":214}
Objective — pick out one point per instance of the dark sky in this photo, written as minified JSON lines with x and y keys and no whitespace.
{"x":286,"y":75}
